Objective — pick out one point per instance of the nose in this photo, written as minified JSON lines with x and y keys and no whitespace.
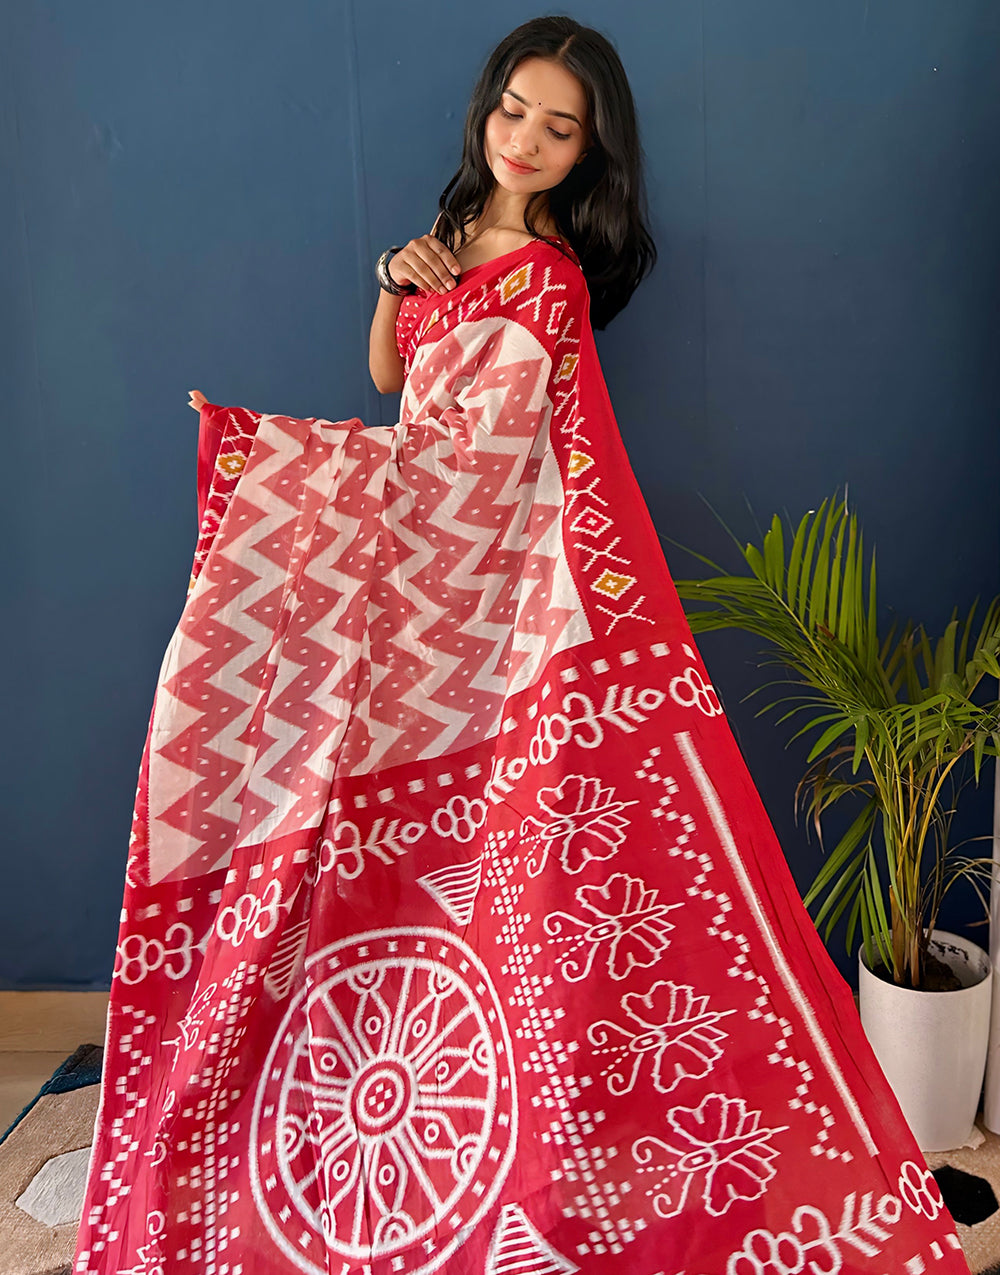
{"x":524,"y":141}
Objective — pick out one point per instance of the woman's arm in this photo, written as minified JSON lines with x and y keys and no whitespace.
{"x":384,"y":362}
{"x":430,"y":265}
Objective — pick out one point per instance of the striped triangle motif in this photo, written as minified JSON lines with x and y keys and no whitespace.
{"x":518,"y":1249}
{"x":455,"y":889}
{"x":286,"y":960}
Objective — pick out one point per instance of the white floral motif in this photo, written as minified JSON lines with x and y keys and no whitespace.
{"x":460,"y":818}
{"x":624,"y":917}
{"x":788,"y":1252}
{"x":342,"y":851}
{"x":584,"y":821}
{"x":690,"y":690}
{"x":721,"y":1140}
{"x":812,"y":1240}
{"x":138,"y":956}
{"x":250,"y":912}
{"x":673,"y":1025}
{"x":582,"y":721}
{"x":918,"y":1187}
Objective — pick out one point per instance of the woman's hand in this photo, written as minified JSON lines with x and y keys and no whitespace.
{"x":427,"y":263}
{"x":196,"y":400}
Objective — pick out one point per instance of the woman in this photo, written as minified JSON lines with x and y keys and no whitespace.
{"x":455,"y":936}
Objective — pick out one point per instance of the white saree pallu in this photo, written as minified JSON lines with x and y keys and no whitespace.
{"x":455,"y":936}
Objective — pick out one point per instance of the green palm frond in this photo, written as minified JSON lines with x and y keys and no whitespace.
{"x":888,"y":719}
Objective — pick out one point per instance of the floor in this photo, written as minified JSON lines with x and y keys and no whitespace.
{"x":38,"y":1031}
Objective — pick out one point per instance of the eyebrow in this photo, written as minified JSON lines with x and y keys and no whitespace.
{"x":562,"y":114}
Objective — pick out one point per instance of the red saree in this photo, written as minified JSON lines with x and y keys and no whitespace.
{"x":455,"y":936}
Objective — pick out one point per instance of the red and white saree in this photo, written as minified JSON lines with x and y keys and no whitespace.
{"x":455,"y":936}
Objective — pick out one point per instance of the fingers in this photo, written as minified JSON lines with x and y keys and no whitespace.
{"x":449,"y":262}
{"x":427,"y":263}
{"x":419,"y":268}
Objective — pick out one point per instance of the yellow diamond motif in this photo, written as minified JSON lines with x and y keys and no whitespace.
{"x":613,"y":585}
{"x":567,"y":367}
{"x":515,"y":282}
{"x":231,"y":464}
{"x":578,"y":462}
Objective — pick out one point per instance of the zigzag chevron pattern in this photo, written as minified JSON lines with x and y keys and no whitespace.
{"x":518,"y":1249}
{"x":435,"y":544}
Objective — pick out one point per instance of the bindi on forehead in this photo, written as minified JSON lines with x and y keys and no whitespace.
{"x":565,"y":115}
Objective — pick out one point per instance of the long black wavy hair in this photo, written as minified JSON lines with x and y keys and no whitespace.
{"x":600,"y":206}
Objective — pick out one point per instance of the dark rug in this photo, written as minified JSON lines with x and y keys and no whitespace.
{"x":83,"y":1067}
{"x":969,"y":1178}
{"x":44,"y":1158}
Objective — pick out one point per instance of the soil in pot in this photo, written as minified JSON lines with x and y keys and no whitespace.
{"x":938,"y":977}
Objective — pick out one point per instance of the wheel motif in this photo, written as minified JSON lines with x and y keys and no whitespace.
{"x":385,"y":1119}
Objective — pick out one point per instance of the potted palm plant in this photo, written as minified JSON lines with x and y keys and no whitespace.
{"x":898,"y":724}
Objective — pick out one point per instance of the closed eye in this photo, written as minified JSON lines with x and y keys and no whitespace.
{"x":507,"y":115}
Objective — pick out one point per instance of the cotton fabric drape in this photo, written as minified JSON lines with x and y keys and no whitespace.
{"x":455,"y":936}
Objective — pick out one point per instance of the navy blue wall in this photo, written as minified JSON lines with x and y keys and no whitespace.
{"x":194,"y":195}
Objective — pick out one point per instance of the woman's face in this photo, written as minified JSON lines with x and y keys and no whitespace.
{"x":540,"y":123}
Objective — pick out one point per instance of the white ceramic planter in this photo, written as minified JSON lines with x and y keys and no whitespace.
{"x":932,"y":1045}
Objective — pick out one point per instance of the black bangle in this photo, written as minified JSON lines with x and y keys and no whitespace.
{"x":385,"y":279}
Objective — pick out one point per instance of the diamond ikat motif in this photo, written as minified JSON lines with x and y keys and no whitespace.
{"x":613,"y":585}
{"x":579,"y":462}
{"x":516,"y":282}
{"x":537,"y":294}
